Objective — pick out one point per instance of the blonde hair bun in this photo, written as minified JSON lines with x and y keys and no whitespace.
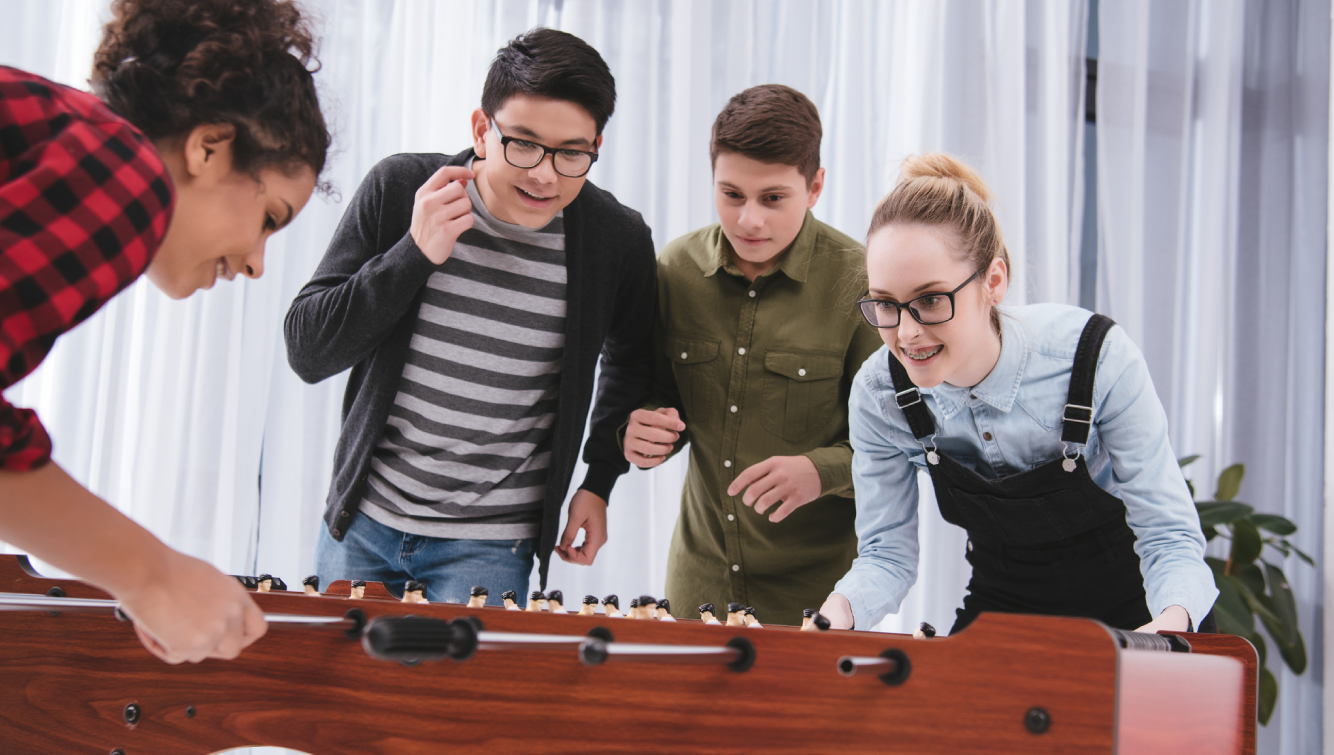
{"x":942,"y":165}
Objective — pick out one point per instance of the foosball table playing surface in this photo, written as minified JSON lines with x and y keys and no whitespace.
{"x":374,"y":675}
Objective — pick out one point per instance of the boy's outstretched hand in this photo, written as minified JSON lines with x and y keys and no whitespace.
{"x":790,"y":480}
{"x":650,"y":436}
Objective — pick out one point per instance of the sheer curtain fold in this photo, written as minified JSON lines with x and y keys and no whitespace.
{"x":1212,"y":168}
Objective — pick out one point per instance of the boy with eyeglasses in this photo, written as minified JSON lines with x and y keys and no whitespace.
{"x":757,"y":340}
{"x":471,"y":297}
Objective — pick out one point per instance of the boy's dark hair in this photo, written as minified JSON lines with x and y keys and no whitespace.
{"x":553,"y":64}
{"x":770,"y":123}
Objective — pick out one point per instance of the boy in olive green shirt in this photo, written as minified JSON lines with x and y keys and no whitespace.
{"x":757,"y":340}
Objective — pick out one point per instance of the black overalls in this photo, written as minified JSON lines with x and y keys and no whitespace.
{"x":1048,"y":541}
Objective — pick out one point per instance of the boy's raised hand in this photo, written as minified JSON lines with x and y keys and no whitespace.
{"x":650,"y":436}
{"x":791,"y":480}
{"x":441,"y":212}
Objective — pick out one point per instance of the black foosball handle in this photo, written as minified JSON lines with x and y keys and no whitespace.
{"x":412,"y":639}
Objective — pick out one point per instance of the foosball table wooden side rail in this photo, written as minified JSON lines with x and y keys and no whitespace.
{"x":74,"y":682}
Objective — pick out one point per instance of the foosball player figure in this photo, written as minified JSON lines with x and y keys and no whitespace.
{"x":633,"y":613}
{"x":665,"y":610}
{"x":358,"y":590}
{"x":556,"y":601}
{"x":806,"y":619}
{"x":264,"y":582}
{"x":412,"y":592}
{"x":311,"y":585}
{"x":590,"y":606}
{"x":734,"y":615}
{"x":648,"y":607}
{"x":748,"y":616}
{"x":706,"y":615}
{"x":924,"y":631}
{"x":477,"y":597}
{"x":611,"y":605}
{"x":537,"y":601}
{"x":511,"y":600}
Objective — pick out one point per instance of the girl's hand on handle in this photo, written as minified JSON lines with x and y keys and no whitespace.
{"x":838,"y":610}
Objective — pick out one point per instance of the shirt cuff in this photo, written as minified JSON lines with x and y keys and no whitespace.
{"x":24,"y":444}
{"x":601,"y":478}
{"x":834,"y":463}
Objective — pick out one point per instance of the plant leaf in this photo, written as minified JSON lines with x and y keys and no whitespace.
{"x":1229,"y":482}
{"x":1210,"y":533}
{"x":1186,"y":461}
{"x":1268,"y":696}
{"x":1299,"y":552}
{"x":1284,"y":630}
{"x":1251,"y":576}
{"x":1230,"y":610}
{"x":1246,"y":544}
{"x":1213,"y":514}
{"x":1191,"y":487}
{"x":1274,"y":523}
{"x":1255,"y":601}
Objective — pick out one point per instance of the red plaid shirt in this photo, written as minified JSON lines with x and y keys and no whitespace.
{"x":84,"y":203}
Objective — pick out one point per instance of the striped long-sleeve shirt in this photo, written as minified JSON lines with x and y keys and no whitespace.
{"x":466,"y":446}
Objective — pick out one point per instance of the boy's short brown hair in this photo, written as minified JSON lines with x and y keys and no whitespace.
{"x":770,"y":123}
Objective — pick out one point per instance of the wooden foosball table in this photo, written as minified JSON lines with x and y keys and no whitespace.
{"x":338,"y":675}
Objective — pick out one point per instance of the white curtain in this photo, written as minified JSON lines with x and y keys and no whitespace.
{"x":1212,"y":125}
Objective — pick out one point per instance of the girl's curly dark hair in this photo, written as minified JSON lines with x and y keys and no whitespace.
{"x":170,"y":65}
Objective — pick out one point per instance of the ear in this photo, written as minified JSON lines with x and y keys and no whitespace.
{"x":597,"y":144}
{"x":481,"y":124}
{"x":997,"y":280}
{"x":208,"y":148}
{"x":817,"y":186}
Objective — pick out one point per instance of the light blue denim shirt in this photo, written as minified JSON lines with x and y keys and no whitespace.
{"x":1019,"y":407}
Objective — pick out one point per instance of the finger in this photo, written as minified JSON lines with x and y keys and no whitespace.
{"x":446,"y":174}
{"x":653,"y":434}
{"x":151,"y":644}
{"x":644,"y":462}
{"x":571,"y":529}
{"x":749,"y":476}
{"x":771,"y":497}
{"x":454,"y":210}
{"x":787,"y":508}
{"x":649,"y":452}
{"x":759,"y":489}
{"x":566,"y":554}
{"x":655,"y":419}
{"x":674,"y":416}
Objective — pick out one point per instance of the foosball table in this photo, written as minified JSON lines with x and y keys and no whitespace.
{"x":375,"y":675}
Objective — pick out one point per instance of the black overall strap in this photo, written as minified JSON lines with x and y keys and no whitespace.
{"x":1078,"y":415}
{"x":910,"y":401}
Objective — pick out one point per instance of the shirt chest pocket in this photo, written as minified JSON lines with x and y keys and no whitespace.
{"x":800,"y":392}
{"x":694,"y":364}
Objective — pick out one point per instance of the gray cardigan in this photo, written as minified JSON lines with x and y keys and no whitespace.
{"x":359,"y":309}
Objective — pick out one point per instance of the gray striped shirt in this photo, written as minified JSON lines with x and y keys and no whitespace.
{"x":466,"y":447}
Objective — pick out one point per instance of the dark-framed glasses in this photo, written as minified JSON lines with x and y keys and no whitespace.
{"x":927,"y":309}
{"x":526,"y":155}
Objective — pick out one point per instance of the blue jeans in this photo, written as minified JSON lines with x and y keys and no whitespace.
{"x":450,"y":568}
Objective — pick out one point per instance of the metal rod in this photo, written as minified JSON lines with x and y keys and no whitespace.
{"x":504,"y":640}
{"x":850,"y":665}
{"x":22,"y":602}
{"x":644,"y":653}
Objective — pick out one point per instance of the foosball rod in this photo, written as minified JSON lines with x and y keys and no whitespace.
{"x":21,"y":602}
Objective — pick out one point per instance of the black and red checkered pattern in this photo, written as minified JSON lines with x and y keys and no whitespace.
{"x":84,"y":203}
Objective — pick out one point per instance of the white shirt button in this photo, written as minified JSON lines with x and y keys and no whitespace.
{"x":731,"y":518}
{"x":684,"y":355}
{"x":736,"y":567}
{"x":801,"y":372}
{"x":728,"y":463}
{"x":741,"y":351}
{"x":752,"y":294}
{"x":734,"y":409}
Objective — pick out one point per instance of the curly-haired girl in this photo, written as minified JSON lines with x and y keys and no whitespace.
{"x":207,"y":138}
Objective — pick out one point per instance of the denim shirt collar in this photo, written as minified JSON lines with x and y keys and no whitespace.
{"x":999,"y":388}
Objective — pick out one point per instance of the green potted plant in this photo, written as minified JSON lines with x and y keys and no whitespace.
{"x":1248,"y":584}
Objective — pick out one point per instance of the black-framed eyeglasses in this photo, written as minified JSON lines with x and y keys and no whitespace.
{"x":521,"y":153}
{"x":928,"y":309}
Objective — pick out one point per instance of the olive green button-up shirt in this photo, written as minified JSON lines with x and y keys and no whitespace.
{"x":758,"y":370}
